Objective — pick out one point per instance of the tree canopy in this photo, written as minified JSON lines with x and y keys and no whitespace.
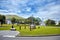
{"x":50,"y":22}
{"x":34,"y":20}
{"x":2,"y":19}
{"x":13,"y":20}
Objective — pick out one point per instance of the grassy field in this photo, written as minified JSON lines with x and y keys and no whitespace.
{"x":43,"y":30}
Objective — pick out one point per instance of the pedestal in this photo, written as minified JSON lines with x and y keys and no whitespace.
{"x":13,"y":29}
{"x":33,"y":26}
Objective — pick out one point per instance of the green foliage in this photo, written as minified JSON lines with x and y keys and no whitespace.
{"x":13,"y":20}
{"x":23,"y":20}
{"x":59,"y":23}
{"x":50,"y":22}
{"x":2,"y":19}
{"x":34,"y":20}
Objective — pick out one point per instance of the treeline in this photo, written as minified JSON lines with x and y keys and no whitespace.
{"x":28,"y":20}
{"x":50,"y":22}
{"x":36,"y":21}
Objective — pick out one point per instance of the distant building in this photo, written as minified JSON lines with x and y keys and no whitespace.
{"x":42,"y":23}
{"x":57,"y":23}
{"x":8,"y":21}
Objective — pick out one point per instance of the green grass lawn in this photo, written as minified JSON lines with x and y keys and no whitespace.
{"x":43,"y":30}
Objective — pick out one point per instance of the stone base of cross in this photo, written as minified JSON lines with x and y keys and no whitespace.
{"x":33,"y":26}
{"x":13,"y":29}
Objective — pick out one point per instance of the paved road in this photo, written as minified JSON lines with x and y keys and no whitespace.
{"x":32,"y":38}
{"x":7,"y":33}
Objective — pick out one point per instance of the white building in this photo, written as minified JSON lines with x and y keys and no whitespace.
{"x":57,"y":23}
{"x":8,"y":21}
{"x":42,"y":23}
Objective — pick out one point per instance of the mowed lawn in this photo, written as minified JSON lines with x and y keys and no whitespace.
{"x":43,"y":30}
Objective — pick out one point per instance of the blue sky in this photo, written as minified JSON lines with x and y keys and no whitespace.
{"x":44,"y":9}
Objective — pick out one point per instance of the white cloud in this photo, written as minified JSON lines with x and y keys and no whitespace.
{"x":5,"y":12}
{"x":28,"y":9}
{"x":8,"y":14}
{"x":49,"y":11}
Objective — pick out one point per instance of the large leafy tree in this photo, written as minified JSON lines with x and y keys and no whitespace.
{"x":2,"y":19}
{"x":59,"y":23}
{"x":13,"y":20}
{"x":33,"y":19}
{"x":50,"y":22}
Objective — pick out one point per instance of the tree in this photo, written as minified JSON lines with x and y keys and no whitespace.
{"x":50,"y":22}
{"x":2,"y":19}
{"x":13,"y":20}
{"x":59,"y":23}
{"x":34,"y":20}
{"x":38,"y":20}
